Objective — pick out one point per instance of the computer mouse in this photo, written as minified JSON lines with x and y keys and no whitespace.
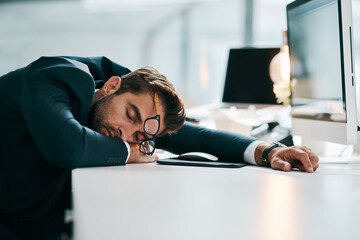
{"x":197,"y":156}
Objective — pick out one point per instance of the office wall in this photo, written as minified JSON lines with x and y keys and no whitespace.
{"x":187,"y":42}
{"x":174,"y":39}
{"x":269,"y":21}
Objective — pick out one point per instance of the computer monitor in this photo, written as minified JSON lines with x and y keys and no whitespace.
{"x":322,"y":69}
{"x":247,"y":76}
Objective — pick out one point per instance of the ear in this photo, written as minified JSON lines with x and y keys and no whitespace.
{"x":111,"y":86}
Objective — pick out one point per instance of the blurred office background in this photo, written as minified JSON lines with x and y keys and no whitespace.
{"x":187,"y":40}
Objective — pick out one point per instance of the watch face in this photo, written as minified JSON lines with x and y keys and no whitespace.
{"x":265,"y":162}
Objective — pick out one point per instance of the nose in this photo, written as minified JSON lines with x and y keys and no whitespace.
{"x":124,"y":134}
{"x":128,"y":132}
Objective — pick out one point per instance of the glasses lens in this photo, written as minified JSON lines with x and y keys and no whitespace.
{"x":151,"y":126}
{"x":147,"y":146}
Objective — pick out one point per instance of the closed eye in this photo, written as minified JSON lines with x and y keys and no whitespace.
{"x":128,"y":115}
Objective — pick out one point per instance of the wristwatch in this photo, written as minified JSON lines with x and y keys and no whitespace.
{"x":264,"y":158}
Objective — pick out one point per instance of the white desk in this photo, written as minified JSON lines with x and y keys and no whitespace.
{"x":150,"y":201}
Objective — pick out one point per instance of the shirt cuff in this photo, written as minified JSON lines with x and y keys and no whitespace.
{"x":249,"y":154}
{"x":128,"y":149}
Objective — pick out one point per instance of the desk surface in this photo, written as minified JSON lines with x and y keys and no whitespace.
{"x":150,"y":201}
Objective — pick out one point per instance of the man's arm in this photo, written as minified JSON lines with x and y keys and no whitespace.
{"x":226,"y":146}
{"x":49,"y":97}
{"x":231,"y":147}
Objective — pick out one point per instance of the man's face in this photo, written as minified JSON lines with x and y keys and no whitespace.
{"x":123,"y":116}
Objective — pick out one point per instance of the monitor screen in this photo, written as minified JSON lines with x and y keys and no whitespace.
{"x":247,"y":76}
{"x":321,"y":67}
{"x":316,"y":61}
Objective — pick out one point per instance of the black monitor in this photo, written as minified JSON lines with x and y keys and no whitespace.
{"x":247,"y":76}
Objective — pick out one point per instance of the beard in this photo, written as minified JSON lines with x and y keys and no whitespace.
{"x":96,"y":118}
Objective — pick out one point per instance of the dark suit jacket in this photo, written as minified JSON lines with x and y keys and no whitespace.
{"x":43,"y":109}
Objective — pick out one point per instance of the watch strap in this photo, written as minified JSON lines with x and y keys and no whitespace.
{"x":264,"y":158}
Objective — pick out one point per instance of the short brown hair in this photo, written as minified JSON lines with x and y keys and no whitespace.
{"x":148,"y":79}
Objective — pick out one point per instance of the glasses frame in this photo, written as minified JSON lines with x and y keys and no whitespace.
{"x":157,"y":117}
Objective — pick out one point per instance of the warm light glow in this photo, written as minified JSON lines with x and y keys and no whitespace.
{"x":279,"y":212}
{"x":285,"y":64}
{"x":280,"y":75}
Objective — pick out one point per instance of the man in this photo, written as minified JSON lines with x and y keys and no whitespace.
{"x":53,"y":120}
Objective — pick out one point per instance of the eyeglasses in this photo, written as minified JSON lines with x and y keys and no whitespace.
{"x":151,"y":127}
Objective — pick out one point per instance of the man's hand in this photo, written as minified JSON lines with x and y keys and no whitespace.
{"x":285,"y":158}
{"x":138,"y":157}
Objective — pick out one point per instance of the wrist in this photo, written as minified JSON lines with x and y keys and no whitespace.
{"x":259,"y":152}
{"x":265,"y":152}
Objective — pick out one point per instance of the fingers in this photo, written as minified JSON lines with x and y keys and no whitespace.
{"x":151,"y":158}
{"x":143,"y":158}
{"x":138,"y":157}
{"x":146,"y":159}
{"x":279,"y":164}
{"x":299,"y":166}
{"x":294,"y":157}
{"x":300,"y":154}
{"x":314,"y":159}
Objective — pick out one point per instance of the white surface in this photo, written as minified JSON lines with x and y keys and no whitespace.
{"x":150,"y":201}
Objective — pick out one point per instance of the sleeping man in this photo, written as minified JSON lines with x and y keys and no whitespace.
{"x":62,"y":113}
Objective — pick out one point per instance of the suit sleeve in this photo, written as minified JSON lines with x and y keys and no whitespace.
{"x":226,"y":146}
{"x":48,"y":103}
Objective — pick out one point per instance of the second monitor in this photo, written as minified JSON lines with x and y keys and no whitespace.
{"x":247,"y":76}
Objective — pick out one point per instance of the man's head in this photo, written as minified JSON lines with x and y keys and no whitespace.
{"x":121,"y":107}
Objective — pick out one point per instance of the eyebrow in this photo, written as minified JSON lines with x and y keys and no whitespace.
{"x":137,"y":112}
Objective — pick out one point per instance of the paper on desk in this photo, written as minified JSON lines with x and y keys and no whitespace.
{"x":239,"y":120}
